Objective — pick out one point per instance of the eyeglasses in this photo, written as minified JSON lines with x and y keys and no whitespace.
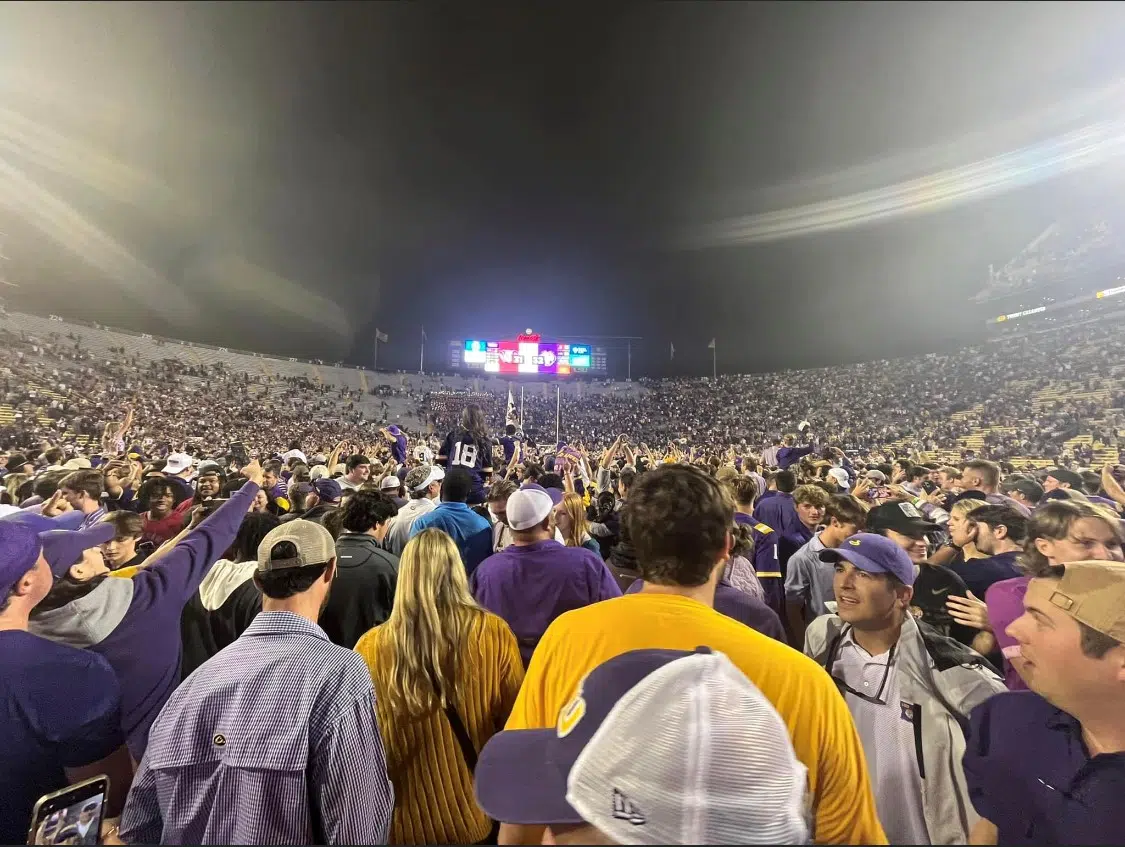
{"x":877,"y":699}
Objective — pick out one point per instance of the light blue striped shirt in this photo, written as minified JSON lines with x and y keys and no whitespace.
{"x":272,"y":741}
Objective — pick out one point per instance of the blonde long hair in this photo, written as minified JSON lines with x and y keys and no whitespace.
{"x":579,"y":527}
{"x":430,"y":626}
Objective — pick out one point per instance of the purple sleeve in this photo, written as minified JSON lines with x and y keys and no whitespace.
{"x":768,"y":623}
{"x":607,"y":586}
{"x":983,"y":775}
{"x":180,"y":571}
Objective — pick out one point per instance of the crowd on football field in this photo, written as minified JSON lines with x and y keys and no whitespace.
{"x":474,"y":636}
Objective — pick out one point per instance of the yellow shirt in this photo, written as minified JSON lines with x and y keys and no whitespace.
{"x":820,"y":725}
{"x":434,"y":801}
{"x":126,"y":573}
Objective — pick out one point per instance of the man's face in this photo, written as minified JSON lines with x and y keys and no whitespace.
{"x":947,"y":482}
{"x":863,"y":598}
{"x":86,"y":816}
{"x":810,"y":514}
{"x":208,"y":486}
{"x":988,"y":538}
{"x":73,"y":498}
{"x":91,"y":564}
{"x":914,"y":545}
{"x":160,"y":503}
{"x":845,"y":529}
{"x":935,"y":477}
{"x":269,"y":479}
{"x":499,"y":509}
{"x":1088,"y":538}
{"x":120,"y":549}
{"x":1050,"y":484}
{"x":434,"y":491}
{"x":360,"y":473}
{"x":1051,"y":659}
{"x":970,"y":480}
{"x":42,"y":581}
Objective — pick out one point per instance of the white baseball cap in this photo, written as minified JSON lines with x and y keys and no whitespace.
{"x":840,"y":475}
{"x":177,"y":463}
{"x":528,"y":507}
{"x":656,"y":747}
{"x":390,"y":483}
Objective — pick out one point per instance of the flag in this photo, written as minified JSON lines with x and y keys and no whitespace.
{"x":673,"y":354}
{"x":711,"y":346}
{"x":510,"y":417}
{"x":380,"y":336}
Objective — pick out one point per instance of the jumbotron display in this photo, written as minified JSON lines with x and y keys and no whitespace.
{"x":527,"y":354}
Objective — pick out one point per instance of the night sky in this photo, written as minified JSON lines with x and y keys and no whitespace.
{"x":288,"y":177}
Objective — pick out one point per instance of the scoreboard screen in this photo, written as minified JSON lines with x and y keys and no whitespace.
{"x":526,"y":356}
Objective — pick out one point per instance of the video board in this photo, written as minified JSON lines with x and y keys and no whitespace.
{"x":528,"y":355}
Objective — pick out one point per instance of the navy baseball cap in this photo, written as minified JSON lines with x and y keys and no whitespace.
{"x":506,"y":758}
{"x":327,"y":489}
{"x":874,"y":554}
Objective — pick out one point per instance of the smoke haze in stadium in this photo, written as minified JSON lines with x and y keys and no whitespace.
{"x":288,"y":177}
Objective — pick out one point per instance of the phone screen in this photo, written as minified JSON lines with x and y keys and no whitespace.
{"x":72,"y":815}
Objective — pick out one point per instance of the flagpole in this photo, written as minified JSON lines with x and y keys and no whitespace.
{"x":521,"y":407}
{"x":714,"y":360}
{"x":422,"y":353}
{"x":558,"y":414}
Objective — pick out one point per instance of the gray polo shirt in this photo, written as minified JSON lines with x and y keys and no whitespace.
{"x":809,"y":580}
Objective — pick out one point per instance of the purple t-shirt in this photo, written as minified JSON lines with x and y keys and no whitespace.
{"x":1005,"y":603}
{"x":60,"y":707}
{"x":531,"y":585}
{"x":739,"y":606}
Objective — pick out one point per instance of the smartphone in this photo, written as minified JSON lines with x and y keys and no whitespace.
{"x":212,"y":503}
{"x":238,"y":452}
{"x":71,"y":815}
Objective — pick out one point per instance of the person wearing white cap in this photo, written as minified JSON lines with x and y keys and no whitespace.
{"x":656,"y":747}
{"x":535,"y":579}
{"x":180,"y":467}
{"x":423,"y":484}
{"x":392,"y":486}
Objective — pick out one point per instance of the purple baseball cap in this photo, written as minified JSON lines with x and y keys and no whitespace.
{"x":394,"y":430}
{"x":19,"y":551}
{"x":555,"y":494}
{"x":40,"y":523}
{"x":874,"y":554}
{"x":62,"y":548}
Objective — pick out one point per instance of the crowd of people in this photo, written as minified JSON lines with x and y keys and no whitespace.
{"x":1065,"y":251}
{"x":473,"y":636}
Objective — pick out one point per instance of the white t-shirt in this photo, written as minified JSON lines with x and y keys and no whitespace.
{"x":887,"y":733}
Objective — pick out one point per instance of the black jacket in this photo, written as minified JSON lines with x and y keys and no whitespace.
{"x":364,"y":591}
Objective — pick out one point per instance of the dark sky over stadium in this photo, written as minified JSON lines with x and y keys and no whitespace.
{"x":285,"y":177}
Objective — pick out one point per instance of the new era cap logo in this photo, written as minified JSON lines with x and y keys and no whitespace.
{"x":625,"y":809}
{"x":855,"y":542}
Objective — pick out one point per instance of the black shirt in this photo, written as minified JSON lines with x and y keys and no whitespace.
{"x":932,"y":587}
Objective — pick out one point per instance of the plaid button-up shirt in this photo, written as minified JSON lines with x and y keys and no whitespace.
{"x":272,"y":741}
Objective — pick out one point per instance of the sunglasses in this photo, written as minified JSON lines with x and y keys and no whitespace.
{"x":877,"y":698}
